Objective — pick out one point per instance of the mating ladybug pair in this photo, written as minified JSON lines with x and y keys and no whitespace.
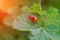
{"x":33,"y":18}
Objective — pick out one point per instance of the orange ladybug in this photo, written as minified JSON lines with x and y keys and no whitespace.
{"x":33,"y":18}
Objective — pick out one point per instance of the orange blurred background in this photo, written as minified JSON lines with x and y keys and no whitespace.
{"x":6,"y":4}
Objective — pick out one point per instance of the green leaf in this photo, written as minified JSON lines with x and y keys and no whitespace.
{"x":52,"y":16}
{"x":36,"y":8}
{"x":23,"y":23}
{"x":52,"y":12}
{"x":52,"y":22}
{"x":40,"y":34}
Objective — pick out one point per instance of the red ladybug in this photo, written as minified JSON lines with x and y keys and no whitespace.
{"x":33,"y":18}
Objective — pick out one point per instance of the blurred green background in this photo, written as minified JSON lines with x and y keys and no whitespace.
{"x":54,"y":3}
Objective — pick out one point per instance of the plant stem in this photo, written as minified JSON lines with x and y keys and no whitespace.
{"x":40,"y":34}
{"x":42,"y":23}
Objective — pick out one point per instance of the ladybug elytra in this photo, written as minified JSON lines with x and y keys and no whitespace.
{"x":33,"y":18}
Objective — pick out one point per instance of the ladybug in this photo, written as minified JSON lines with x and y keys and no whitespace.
{"x":33,"y":18}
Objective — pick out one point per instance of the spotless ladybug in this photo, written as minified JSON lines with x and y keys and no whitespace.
{"x":33,"y":18}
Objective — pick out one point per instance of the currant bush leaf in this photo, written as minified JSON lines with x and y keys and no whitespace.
{"x":23,"y":22}
{"x":40,"y":34}
{"x":52,"y":16}
{"x":36,"y":8}
{"x":52,"y":22}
